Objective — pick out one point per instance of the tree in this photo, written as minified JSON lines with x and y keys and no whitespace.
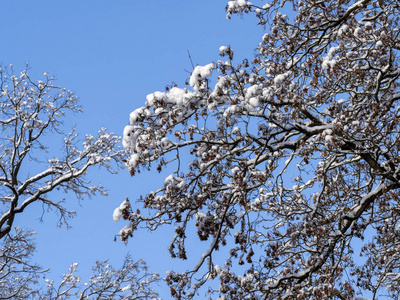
{"x":30,"y":113}
{"x":290,"y":159}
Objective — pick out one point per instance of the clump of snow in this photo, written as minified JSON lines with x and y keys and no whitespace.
{"x":235,"y":170}
{"x":199,"y":73}
{"x":156,"y":96}
{"x":169,"y":179}
{"x":237,"y":6}
{"x":236,"y":131}
{"x":126,"y":288}
{"x":137,"y":114}
{"x":133,"y":160}
{"x":368,"y":25}
{"x":247,"y":279}
{"x":279,"y":79}
{"x":329,"y":61}
{"x":357,"y":32}
{"x":254,"y":102}
{"x":231,"y":110}
{"x":223,"y":49}
{"x":267,"y":6}
{"x":165,"y":141}
{"x":174,"y":181}
{"x":129,"y":137}
{"x":200,"y":216}
{"x":126,"y":231}
{"x":118,"y":211}
{"x":343,"y":29}
{"x":252,"y":95}
{"x":178,"y":96}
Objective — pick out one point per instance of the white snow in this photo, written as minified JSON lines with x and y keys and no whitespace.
{"x":223,"y":49}
{"x":169,"y":179}
{"x":118,"y":211}
{"x":178,"y":96}
{"x":279,"y":79}
{"x":124,"y":289}
{"x":235,"y":170}
{"x":199,"y":73}
{"x":357,"y":32}
{"x":254,"y":102}
{"x":329,"y":61}
{"x":117,"y":215}
{"x":342,"y":29}
{"x":134,"y":116}
{"x":133,"y":160}
{"x":165,"y":141}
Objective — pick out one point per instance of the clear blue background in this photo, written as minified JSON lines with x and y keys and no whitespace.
{"x":112,"y":54}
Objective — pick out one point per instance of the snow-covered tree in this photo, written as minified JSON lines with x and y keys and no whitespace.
{"x":131,"y":281}
{"x":289,"y":159}
{"x":31,"y":115}
{"x":19,"y":279}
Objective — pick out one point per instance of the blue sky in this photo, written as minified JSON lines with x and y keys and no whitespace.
{"x":112,"y":54}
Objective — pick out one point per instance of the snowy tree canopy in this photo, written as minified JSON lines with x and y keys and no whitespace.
{"x":31,"y":119}
{"x":289,"y":159}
